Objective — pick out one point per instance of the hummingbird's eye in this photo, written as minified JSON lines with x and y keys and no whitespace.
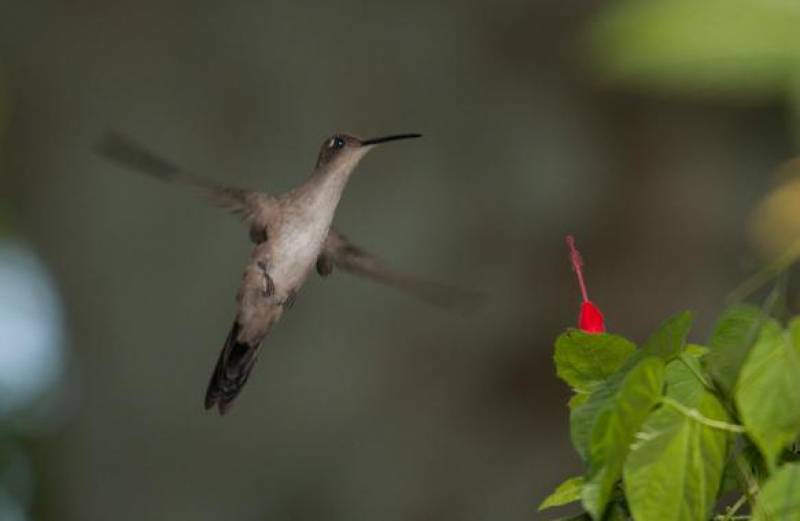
{"x":336,"y":143}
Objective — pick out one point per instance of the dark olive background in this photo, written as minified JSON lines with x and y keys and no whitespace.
{"x":365,"y":404}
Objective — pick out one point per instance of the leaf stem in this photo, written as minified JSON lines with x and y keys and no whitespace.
{"x":750,"y":481}
{"x":730,"y":514}
{"x":685,"y":360}
{"x":695,"y":415}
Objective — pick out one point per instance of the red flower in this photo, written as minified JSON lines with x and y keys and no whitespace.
{"x":590,"y":318}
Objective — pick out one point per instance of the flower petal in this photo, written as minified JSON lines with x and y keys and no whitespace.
{"x":590,"y":318}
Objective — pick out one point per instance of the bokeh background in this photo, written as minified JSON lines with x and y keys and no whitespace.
{"x":651,"y":130}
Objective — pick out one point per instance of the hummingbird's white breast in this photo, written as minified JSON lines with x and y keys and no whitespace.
{"x":298,"y":240}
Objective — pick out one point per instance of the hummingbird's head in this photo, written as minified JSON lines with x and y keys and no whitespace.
{"x":345,"y":150}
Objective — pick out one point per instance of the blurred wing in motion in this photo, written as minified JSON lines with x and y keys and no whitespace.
{"x":126,"y":152}
{"x":338,"y":251}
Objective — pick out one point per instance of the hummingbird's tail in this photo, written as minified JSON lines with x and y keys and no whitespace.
{"x":233,"y":368}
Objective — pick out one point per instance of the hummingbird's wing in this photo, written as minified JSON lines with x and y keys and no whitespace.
{"x":340,"y":252}
{"x":116,"y":147}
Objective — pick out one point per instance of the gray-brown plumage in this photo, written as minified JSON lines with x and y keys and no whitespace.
{"x":292,"y":235}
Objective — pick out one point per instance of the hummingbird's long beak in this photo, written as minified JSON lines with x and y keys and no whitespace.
{"x":384,"y":139}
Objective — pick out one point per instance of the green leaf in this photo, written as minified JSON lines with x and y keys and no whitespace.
{"x":780,"y":496}
{"x":675,"y":467}
{"x":767,"y":394}
{"x":696,"y":350}
{"x":738,"y":48}
{"x":615,"y":513}
{"x":665,"y":343}
{"x":567,"y":492}
{"x":613,"y":431}
{"x":669,"y":339}
{"x":577,"y":400}
{"x":584,"y":412}
{"x":733,"y":337}
{"x":584,"y":360}
{"x":682,"y":382}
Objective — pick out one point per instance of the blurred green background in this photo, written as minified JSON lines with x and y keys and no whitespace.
{"x":648,"y":129}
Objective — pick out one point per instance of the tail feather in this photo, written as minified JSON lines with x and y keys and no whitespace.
{"x":231,"y":372}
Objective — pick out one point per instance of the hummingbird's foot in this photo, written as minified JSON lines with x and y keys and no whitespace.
{"x":269,"y":286}
{"x":324,"y":264}
{"x":288,"y":302}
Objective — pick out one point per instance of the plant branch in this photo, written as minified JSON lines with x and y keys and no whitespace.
{"x":752,"y":484}
{"x":730,"y":514}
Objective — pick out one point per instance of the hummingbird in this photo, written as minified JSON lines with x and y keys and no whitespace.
{"x":292,"y":235}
